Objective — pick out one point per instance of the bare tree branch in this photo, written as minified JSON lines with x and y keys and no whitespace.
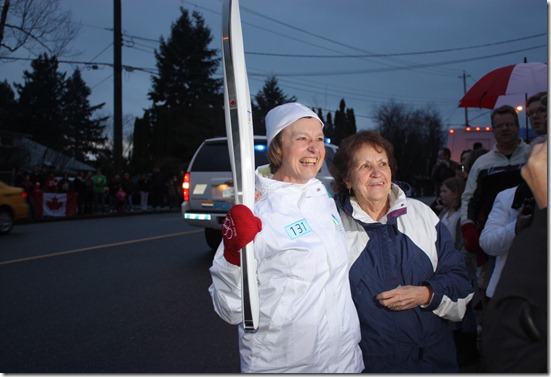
{"x":36,"y":26}
{"x":3,"y":19}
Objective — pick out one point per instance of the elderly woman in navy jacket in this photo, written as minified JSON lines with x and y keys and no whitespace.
{"x":407,"y":278}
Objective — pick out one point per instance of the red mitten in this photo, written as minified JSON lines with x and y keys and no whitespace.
{"x":470,"y":237}
{"x":240,"y":227}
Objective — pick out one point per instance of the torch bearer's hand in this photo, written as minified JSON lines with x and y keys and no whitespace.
{"x":240,"y":227}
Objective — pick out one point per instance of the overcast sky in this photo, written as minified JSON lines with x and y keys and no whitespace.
{"x":323,"y":50}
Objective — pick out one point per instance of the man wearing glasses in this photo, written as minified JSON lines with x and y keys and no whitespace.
{"x":491,"y":173}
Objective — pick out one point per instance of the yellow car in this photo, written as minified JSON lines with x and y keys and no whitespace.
{"x":13,"y":206}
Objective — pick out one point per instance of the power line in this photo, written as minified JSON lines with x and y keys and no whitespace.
{"x":413,"y":66}
{"x":394,"y":54}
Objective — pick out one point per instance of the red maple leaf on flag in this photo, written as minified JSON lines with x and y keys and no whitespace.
{"x":54,"y":204}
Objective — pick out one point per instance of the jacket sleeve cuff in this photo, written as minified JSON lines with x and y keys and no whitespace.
{"x":434,"y":300}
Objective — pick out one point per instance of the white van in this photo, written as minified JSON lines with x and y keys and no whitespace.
{"x":462,"y":138}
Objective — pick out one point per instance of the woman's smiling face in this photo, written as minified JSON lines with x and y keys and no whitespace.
{"x":303,"y":151}
{"x":370,"y":176}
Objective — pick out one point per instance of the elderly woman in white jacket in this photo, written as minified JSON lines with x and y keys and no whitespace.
{"x":308,"y":322}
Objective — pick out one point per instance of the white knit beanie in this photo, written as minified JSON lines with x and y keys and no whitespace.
{"x":283,"y":115}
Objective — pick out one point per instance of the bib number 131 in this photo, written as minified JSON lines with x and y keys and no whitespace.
{"x":298,"y":229}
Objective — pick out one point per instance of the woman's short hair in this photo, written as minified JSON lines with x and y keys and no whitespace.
{"x":349,"y":146}
{"x":275,"y":153}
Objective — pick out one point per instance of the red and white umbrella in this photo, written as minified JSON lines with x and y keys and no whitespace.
{"x":509,"y":85}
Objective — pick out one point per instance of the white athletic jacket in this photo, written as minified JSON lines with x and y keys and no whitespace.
{"x":308,"y":322}
{"x":498,"y":234}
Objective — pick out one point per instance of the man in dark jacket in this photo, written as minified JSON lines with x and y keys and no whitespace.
{"x":514,"y":336}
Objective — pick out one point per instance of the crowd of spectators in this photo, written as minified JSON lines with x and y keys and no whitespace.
{"x":496,"y":206}
{"x":98,"y":193}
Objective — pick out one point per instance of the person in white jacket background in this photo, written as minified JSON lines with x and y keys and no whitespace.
{"x":505,"y":221}
{"x":498,"y":234}
{"x":308,"y":322}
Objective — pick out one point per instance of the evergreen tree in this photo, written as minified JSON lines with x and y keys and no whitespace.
{"x":84,"y":136}
{"x":350,"y":122}
{"x":329,"y":128}
{"x":319,"y":112}
{"x":40,"y":103}
{"x":187,"y":100}
{"x":345,"y":123}
{"x":270,"y":96}
{"x":7,"y":107}
{"x":141,"y":153}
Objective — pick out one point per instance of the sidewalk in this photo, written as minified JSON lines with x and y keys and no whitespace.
{"x":135,"y":211}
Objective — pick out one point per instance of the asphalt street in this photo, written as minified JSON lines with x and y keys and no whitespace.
{"x":119,"y":294}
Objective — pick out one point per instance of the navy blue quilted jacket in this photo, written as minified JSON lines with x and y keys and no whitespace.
{"x":409,"y":246}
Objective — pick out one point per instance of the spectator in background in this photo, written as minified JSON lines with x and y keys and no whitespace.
{"x":37,"y":197}
{"x":473,"y":156}
{"x":172,"y":191}
{"x":113,"y":191}
{"x":504,"y":222}
{"x":100,"y":187}
{"x":465,"y":334}
{"x":36,"y":176}
{"x":50,"y":183}
{"x":28,"y":185}
{"x":64,"y":185}
{"x":462,"y":171}
{"x":158,"y":187}
{"x":515,"y":336}
{"x":79,"y":185}
{"x":120,"y":196}
{"x":491,"y":173}
{"x":144,"y":186}
{"x":537,"y":113}
{"x":443,"y":169}
{"x":482,"y":273}
{"x":128,"y":187}
{"x":180,"y":190}
{"x":89,"y":197}
{"x":477,"y":145}
{"x":18,"y":178}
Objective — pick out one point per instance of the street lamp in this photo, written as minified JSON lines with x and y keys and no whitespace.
{"x":519,"y":109}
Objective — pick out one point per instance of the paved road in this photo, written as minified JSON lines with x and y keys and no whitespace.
{"x":119,"y":294}
{"x":112,"y":295}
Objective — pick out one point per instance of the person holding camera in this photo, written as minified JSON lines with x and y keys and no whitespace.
{"x":510,"y":214}
{"x":515,"y":335}
{"x":444,"y":168}
{"x":491,"y":173}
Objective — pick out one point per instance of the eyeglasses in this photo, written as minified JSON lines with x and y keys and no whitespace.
{"x":539,"y":110}
{"x":504,"y":125}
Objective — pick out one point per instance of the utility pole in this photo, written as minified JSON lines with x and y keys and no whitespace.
{"x":117,"y":95}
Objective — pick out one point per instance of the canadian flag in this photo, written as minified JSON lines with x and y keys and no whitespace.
{"x":57,"y":205}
